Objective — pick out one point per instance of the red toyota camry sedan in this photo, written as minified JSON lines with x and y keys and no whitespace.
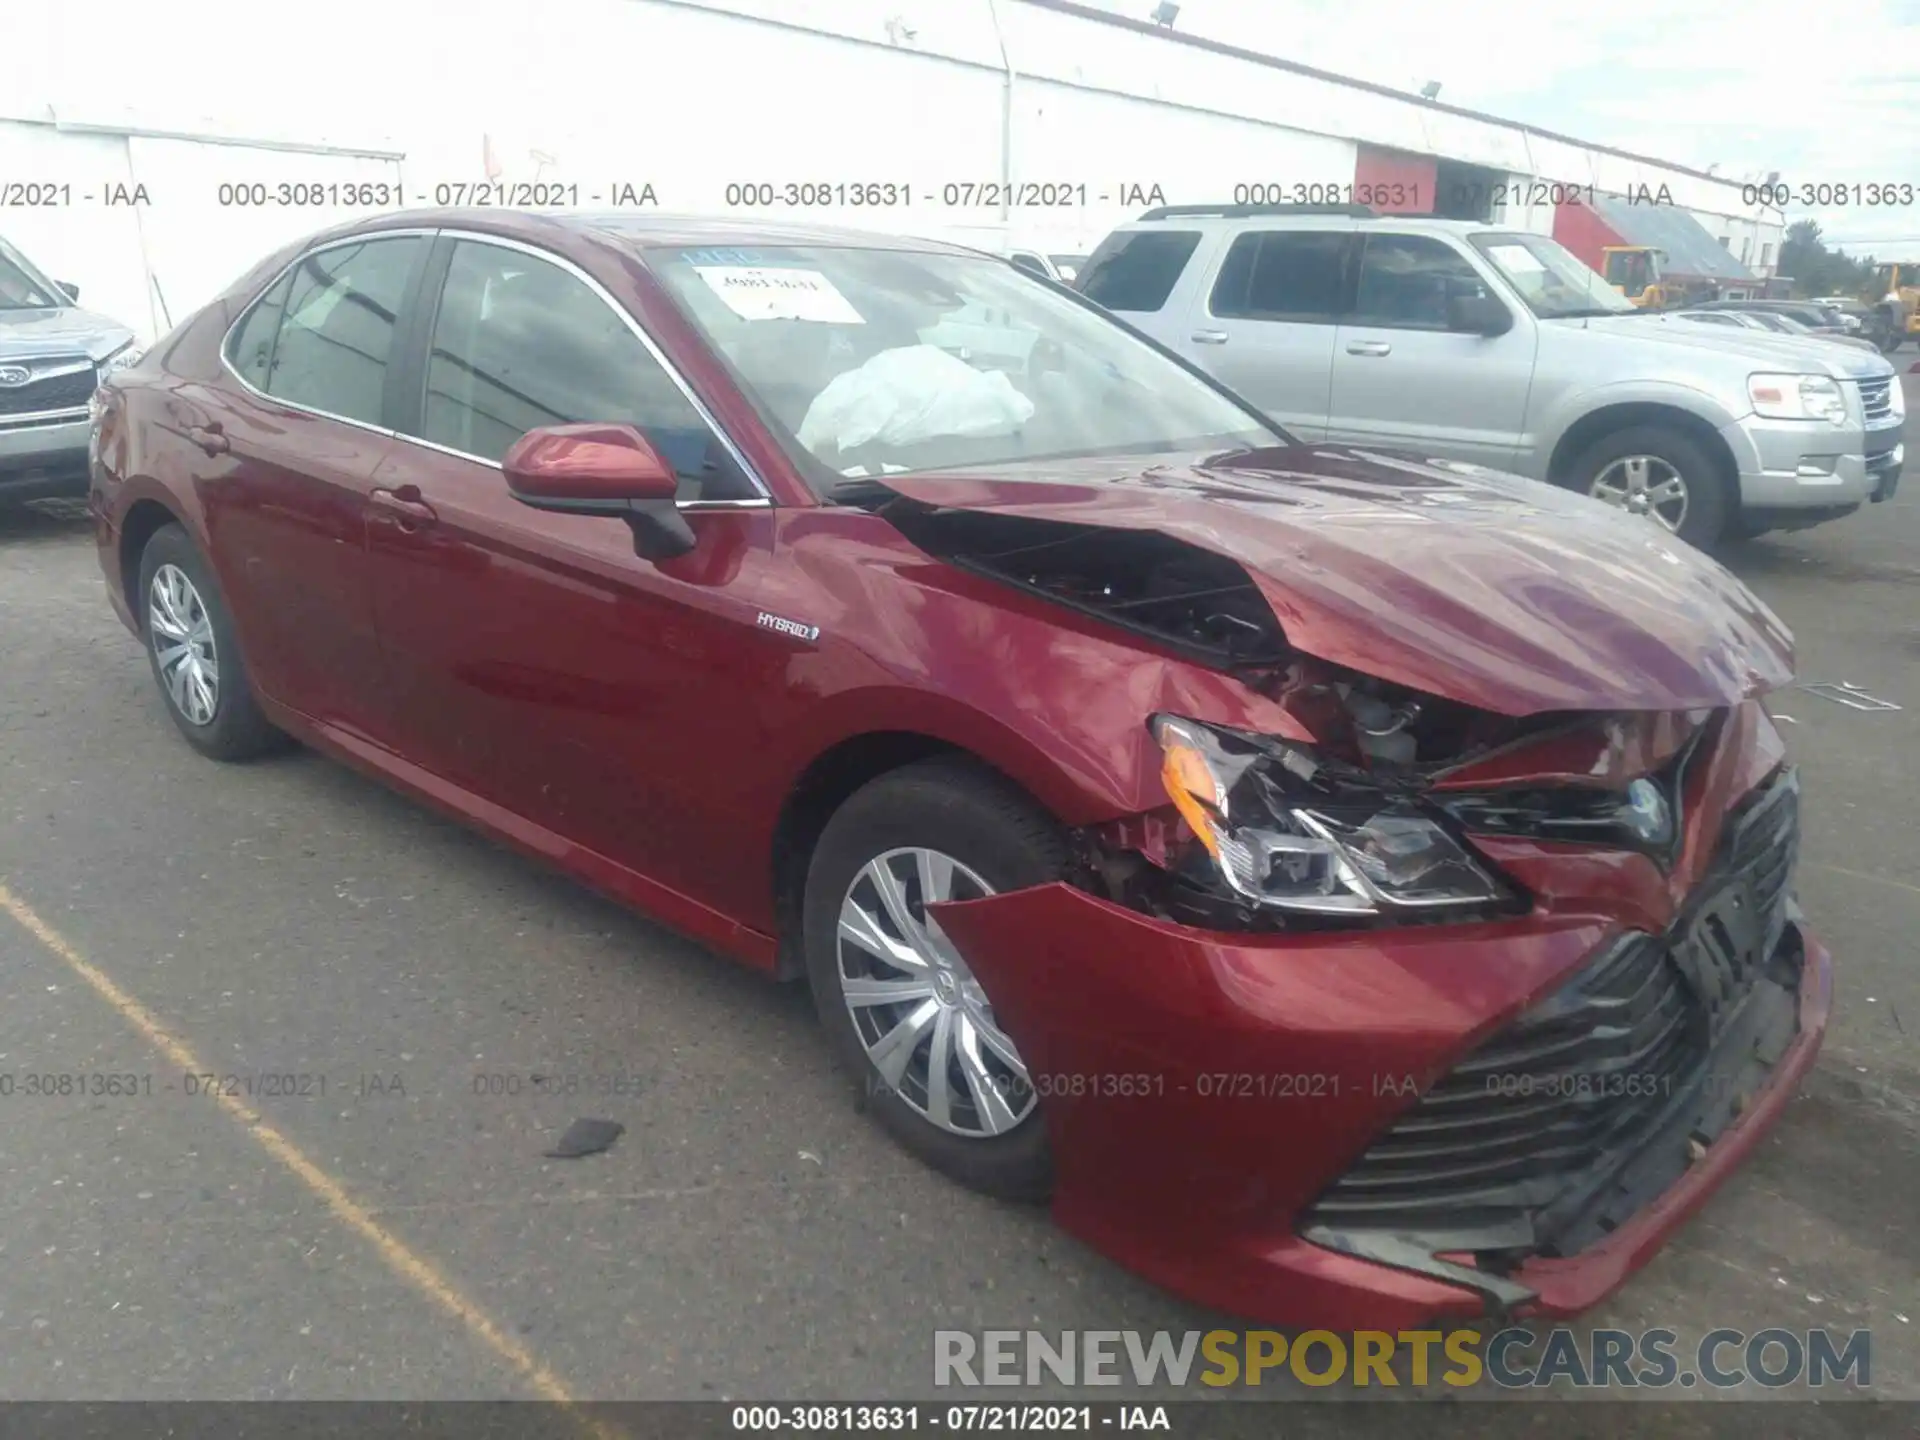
{"x":1355,"y":889}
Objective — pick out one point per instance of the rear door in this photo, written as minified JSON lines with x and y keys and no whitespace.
{"x":290,"y":442}
{"x":1402,"y":378}
{"x":1137,"y":275}
{"x":1266,"y":325}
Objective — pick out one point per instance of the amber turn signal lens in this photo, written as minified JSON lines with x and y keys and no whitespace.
{"x":1193,"y":790}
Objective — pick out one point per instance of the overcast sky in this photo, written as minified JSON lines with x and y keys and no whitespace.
{"x":1819,"y":92}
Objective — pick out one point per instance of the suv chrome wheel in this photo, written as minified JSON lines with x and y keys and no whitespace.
{"x":923,"y":1018}
{"x":181,"y":633}
{"x":1644,"y":485}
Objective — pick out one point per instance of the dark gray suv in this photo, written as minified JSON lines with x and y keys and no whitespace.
{"x":53,"y":355}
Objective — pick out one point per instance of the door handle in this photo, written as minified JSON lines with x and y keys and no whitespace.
{"x":1209,"y":337}
{"x":403,"y":507}
{"x":210,"y":438}
{"x":1369,"y":347}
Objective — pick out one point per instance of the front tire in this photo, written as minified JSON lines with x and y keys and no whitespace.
{"x":194,"y":653}
{"x":1662,"y":474}
{"x":904,"y":1013}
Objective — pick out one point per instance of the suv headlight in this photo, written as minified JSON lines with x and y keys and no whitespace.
{"x":1797,"y":397}
{"x":1283,"y":832}
{"x":127,"y":354}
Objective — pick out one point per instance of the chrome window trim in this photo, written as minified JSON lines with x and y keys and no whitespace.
{"x":764,"y":501}
{"x":758,"y":502}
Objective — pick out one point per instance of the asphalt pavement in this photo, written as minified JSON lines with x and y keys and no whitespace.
{"x":385,"y":1224}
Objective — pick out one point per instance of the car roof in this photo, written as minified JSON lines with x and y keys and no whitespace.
{"x":647,"y":229}
{"x":1234,"y":218}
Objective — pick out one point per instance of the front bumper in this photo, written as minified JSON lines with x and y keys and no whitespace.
{"x":41,"y":460}
{"x":1215,"y":1101}
{"x":1794,"y":464}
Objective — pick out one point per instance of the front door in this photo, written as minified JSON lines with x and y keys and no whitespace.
{"x":536,"y":661}
{"x":1404,"y":379}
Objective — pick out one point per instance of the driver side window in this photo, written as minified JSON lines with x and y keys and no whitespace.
{"x":1406,"y":281}
{"x":519,"y":343}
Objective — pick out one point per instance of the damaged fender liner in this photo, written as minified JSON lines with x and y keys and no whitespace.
{"x":1199,"y":603}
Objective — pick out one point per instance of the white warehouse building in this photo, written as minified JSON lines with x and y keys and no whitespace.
{"x":151,"y":170}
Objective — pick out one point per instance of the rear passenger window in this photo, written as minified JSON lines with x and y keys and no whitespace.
{"x":1405,"y":282}
{"x":1283,"y":275}
{"x":332,"y":323}
{"x":250,"y":350}
{"x":1137,"y":269}
{"x":520,"y":343}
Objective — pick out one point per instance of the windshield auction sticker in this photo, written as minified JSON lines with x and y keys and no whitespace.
{"x":762,"y":292}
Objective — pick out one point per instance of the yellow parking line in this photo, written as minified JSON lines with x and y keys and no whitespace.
{"x":417,"y":1272}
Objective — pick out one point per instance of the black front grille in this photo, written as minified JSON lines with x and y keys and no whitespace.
{"x":1762,"y":845}
{"x":70,"y":391}
{"x":1876,"y":398}
{"x":1519,"y":1148}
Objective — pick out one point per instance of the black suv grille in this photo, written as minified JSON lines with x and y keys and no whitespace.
{"x":1520,"y":1148}
{"x":54,"y":392}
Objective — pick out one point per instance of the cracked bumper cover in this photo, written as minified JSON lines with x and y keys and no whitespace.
{"x":1202,"y":1090}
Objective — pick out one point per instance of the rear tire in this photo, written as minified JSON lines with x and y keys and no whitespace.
{"x":1658,"y":455}
{"x":194,"y":652}
{"x":994,"y":835}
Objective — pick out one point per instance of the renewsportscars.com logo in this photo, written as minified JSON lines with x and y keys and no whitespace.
{"x":1510,"y":1359}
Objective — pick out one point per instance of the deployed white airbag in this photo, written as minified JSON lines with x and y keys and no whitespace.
{"x":910,"y":395}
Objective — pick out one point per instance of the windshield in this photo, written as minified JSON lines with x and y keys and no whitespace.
{"x":875,"y":362}
{"x":1553,"y":284}
{"x":22,"y":287}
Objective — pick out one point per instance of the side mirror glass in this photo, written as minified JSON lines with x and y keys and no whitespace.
{"x":69,"y":289}
{"x":607,"y":470}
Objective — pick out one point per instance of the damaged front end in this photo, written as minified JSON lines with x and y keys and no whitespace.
{"x":1333,"y":797}
{"x":1435,"y":998}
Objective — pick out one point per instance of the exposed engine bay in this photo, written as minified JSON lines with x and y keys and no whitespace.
{"x":1207,"y":608}
{"x":1362,"y":817}
{"x":1203,"y":604}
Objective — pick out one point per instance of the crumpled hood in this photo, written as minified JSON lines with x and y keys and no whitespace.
{"x":32,"y":334}
{"x":1473,"y":585}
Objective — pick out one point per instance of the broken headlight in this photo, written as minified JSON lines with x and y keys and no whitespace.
{"x":1284,"y":831}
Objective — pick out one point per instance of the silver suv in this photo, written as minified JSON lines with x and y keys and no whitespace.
{"x":53,"y":356}
{"x":1466,"y":342}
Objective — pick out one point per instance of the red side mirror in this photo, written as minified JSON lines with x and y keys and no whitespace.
{"x":587,"y":469}
{"x":606,"y":470}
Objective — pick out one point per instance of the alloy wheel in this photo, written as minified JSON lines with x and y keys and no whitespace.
{"x":923,"y":1018}
{"x":181,"y":633}
{"x":1644,"y":485}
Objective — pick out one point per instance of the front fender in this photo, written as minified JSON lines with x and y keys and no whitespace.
{"x":1575,"y":406}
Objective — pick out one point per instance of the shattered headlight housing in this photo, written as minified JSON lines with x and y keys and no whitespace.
{"x":1287,"y":832}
